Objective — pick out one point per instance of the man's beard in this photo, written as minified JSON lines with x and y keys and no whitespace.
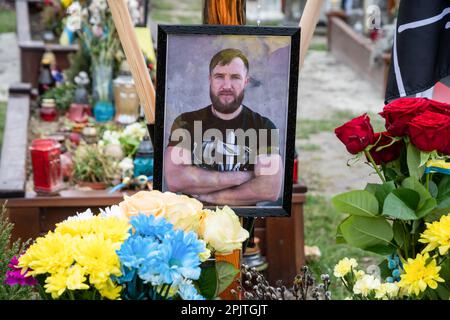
{"x":228,"y":107}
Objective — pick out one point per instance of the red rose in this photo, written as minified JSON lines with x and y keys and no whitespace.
{"x":446,"y":150}
{"x":387,"y":154}
{"x":430,"y":131}
{"x":400,"y":112}
{"x":356,"y":134}
{"x":439,"y":107}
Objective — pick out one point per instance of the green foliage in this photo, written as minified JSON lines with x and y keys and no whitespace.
{"x":357,"y":202}
{"x":91,"y":165}
{"x":7,"y":21}
{"x":321,"y":219}
{"x":215,"y":278}
{"x":7,"y":251}
{"x":64,"y":95}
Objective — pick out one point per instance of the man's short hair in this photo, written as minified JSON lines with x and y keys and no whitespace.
{"x":225,"y":56}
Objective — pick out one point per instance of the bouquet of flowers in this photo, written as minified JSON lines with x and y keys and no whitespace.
{"x":427,"y":275}
{"x":152,"y":245}
{"x":412,"y":160}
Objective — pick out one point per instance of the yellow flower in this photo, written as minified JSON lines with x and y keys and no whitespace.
{"x":56,"y":283}
{"x":76,"y":278}
{"x":419,"y":274}
{"x":49,"y":254}
{"x":109,"y":290}
{"x":115,"y":229}
{"x":437,"y":235}
{"x":98,"y":257}
{"x":222,"y":230}
{"x":66,"y":3}
{"x":344,"y":266}
{"x":359,"y":274}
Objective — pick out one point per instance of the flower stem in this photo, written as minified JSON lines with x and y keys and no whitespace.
{"x":369,"y":156}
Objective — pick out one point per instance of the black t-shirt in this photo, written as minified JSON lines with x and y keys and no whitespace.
{"x":224,"y":145}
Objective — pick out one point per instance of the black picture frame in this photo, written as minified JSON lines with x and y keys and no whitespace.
{"x":159,"y":144}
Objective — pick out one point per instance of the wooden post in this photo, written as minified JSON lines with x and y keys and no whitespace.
{"x":225,"y":12}
{"x":307,"y":24}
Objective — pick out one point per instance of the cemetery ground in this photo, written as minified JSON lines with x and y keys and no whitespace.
{"x":330,"y":94}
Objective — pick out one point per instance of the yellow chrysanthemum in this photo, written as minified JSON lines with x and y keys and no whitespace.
{"x":110,"y":290}
{"x":113,"y":228}
{"x":76,"y":278}
{"x":49,"y":254}
{"x":66,"y":3}
{"x":56,"y":283}
{"x":437,"y":235}
{"x":98,"y":257}
{"x":419,"y":274}
{"x":76,"y":227}
{"x":344,"y":266}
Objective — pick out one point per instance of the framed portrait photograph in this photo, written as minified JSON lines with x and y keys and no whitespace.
{"x":226,"y":105}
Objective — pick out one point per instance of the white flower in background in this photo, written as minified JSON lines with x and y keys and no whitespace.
{"x":366,"y":284}
{"x":82,"y":216}
{"x":98,"y":5}
{"x":113,"y":211}
{"x":135,"y":130}
{"x":126,"y":165}
{"x":115,"y":151}
{"x":133,"y":8}
{"x":387,"y":291}
{"x":111,"y":137}
{"x":344,"y":266}
{"x":74,"y":16}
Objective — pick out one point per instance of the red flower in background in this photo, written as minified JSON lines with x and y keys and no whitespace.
{"x":430,"y":131}
{"x":387,"y":154}
{"x":356,"y":134}
{"x":400,"y":112}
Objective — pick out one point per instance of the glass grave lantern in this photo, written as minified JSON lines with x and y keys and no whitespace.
{"x":143,"y":162}
{"x":46,"y":162}
{"x":126,"y":99}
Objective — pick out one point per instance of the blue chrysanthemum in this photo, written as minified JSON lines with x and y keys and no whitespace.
{"x":187,"y":291}
{"x":137,"y":250}
{"x":150,"y":226}
{"x":179,"y":257}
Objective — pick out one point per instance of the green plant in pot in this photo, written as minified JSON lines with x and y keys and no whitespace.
{"x":93,"y":168}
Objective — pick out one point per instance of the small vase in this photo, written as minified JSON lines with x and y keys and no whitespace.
{"x":103,"y":111}
{"x":102,"y":85}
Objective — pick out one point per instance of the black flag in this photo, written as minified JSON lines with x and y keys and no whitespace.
{"x":421,"y":50}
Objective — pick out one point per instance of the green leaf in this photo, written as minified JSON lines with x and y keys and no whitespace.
{"x":339,"y":237}
{"x":426,"y":208}
{"x":357,"y":202}
{"x":424,"y":157}
{"x":401,"y":204}
{"x":384,"y":269}
{"x":381,"y":249}
{"x":383,"y":192}
{"x":207,"y":283}
{"x":443,"y":292}
{"x":372,"y":187}
{"x":414,"y":184}
{"x":226,"y":273}
{"x":399,"y":233}
{"x":366,"y":233}
{"x":433,"y":189}
{"x":413,"y":161}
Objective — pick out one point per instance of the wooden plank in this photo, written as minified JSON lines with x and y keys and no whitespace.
{"x":26,"y":223}
{"x":14,"y":148}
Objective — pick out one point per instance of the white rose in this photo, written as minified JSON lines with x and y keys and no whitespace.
{"x":222,"y":230}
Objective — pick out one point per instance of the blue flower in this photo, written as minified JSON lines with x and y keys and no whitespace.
{"x":137,"y":250}
{"x":150,"y":226}
{"x":188,"y":292}
{"x":179,"y":257}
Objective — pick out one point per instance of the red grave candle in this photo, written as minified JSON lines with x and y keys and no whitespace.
{"x":45,"y":158}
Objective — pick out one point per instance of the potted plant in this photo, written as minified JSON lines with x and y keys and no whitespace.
{"x":92,"y":168}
